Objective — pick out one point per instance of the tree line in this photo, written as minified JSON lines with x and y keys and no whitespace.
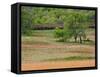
{"x":75,"y":21}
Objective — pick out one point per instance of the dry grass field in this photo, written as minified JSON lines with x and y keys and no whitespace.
{"x":42,"y":51}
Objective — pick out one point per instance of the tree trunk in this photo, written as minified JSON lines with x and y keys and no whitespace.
{"x":75,"y":38}
{"x":80,"y":39}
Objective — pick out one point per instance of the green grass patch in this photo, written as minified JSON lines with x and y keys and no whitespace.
{"x":72,"y":58}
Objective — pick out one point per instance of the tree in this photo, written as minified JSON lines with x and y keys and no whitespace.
{"x":76,"y":25}
{"x":26,"y":19}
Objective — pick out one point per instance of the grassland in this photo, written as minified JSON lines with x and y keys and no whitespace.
{"x":43,"y":47}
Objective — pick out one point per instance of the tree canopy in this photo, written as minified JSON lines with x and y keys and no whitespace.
{"x":41,"y":15}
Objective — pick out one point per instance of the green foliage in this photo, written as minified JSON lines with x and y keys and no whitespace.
{"x":26,"y":20}
{"x":61,"y":34}
{"x":28,"y":32}
{"x":74,"y":20}
{"x":76,"y":24}
{"x":58,"y":32}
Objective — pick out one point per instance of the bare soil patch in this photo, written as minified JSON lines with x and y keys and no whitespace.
{"x":57,"y":65}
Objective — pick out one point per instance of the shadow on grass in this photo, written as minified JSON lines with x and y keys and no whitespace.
{"x":85,"y":42}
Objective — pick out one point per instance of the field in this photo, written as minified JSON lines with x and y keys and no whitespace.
{"x":42,"y":51}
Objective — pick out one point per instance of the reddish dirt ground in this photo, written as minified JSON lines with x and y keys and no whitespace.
{"x":57,"y":64}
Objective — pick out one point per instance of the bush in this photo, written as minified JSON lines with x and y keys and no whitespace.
{"x":28,"y":32}
{"x":58,"y":32}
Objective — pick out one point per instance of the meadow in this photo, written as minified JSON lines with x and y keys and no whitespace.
{"x":41,"y":46}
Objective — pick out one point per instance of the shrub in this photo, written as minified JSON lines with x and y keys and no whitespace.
{"x":58,"y":32}
{"x":28,"y":32}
